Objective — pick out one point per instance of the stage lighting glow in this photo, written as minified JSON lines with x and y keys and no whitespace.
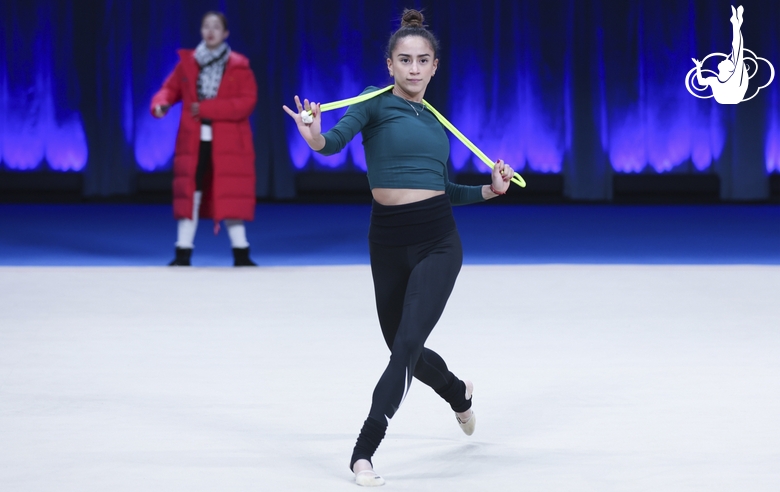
{"x":663,"y":138}
{"x":34,"y":131}
{"x":313,"y":88}
{"x":155,"y":138}
{"x":772,"y":147}
{"x":515,"y":129}
{"x":38,"y":121}
{"x":66,"y":145}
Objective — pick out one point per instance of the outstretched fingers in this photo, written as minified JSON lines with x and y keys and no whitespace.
{"x":289,"y":111}
{"x":300,"y":107}
{"x":295,"y":115}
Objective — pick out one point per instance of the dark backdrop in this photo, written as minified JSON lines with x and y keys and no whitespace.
{"x":583,"y":89}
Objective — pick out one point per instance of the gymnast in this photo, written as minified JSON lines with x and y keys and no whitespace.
{"x":731,"y":84}
{"x":414,"y":245}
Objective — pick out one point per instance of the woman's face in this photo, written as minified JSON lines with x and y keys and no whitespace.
{"x":213,"y":32}
{"x":412,"y":65}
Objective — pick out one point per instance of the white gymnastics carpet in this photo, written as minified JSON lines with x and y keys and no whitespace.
{"x":587,"y":378}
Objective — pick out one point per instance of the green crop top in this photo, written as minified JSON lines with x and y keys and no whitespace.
{"x":403,"y":150}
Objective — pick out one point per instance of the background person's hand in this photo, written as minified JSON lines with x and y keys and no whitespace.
{"x":161,"y":110}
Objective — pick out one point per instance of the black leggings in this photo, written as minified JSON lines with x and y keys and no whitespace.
{"x":412,"y":284}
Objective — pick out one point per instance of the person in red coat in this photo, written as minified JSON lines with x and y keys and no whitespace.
{"x":214,"y":161}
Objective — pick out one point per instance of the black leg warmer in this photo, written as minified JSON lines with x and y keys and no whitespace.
{"x":370,"y":436}
{"x":455,"y":394}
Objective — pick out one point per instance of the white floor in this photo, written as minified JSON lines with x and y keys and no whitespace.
{"x":587,"y":378}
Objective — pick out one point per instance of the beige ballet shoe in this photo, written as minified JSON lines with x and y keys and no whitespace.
{"x":369,"y":478}
{"x":467,"y":423}
{"x":365,"y":475}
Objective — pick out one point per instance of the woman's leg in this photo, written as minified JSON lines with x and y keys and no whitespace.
{"x":434,"y":270}
{"x":429,"y":287}
{"x":237,"y":233}
{"x":391,"y":269}
{"x":187,"y":227}
{"x":185,"y":240}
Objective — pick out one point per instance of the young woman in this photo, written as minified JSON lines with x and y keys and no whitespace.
{"x":413,"y":242}
{"x":214,"y":162}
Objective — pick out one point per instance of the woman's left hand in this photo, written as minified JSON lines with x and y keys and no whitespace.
{"x":195,"y":108}
{"x":501,"y":176}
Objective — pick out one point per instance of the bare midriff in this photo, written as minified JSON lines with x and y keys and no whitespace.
{"x":402,"y":196}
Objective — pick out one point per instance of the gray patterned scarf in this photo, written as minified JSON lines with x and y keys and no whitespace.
{"x":212,"y":66}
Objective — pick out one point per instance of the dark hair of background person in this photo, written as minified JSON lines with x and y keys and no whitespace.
{"x":219,"y":15}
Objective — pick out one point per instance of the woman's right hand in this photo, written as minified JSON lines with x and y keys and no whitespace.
{"x":311,"y":132}
{"x":161,"y":110}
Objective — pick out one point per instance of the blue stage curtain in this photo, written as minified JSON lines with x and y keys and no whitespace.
{"x":40,"y":119}
{"x":584,"y":88}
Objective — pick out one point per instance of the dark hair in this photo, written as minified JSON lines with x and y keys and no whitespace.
{"x":412,"y":25}
{"x":218,"y":15}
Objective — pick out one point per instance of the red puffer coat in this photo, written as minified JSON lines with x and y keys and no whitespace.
{"x":230,"y":194}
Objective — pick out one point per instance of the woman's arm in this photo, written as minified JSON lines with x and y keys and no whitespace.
{"x":333,"y":141}
{"x":463,"y":195}
{"x":234,"y":108}
{"x":168,"y":95}
{"x":344,"y":131}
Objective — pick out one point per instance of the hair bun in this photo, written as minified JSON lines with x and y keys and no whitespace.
{"x":412,"y":18}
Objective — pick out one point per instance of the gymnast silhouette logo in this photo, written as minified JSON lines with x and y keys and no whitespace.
{"x":730,"y":84}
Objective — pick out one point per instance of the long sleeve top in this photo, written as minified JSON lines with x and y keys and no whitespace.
{"x":405,"y":145}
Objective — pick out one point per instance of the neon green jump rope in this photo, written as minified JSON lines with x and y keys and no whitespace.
{"x":517,"y":179}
